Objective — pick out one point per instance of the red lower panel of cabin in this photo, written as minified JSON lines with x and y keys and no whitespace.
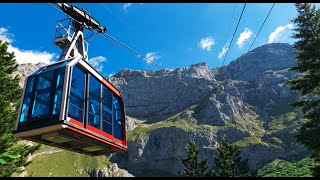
{"x":73,"y":139}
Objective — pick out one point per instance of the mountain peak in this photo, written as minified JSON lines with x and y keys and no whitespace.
{"x":272,"y":56}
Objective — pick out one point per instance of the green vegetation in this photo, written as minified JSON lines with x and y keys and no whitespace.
{"x":248,"y":141}
{"x":228,"y":160}
{"x":55,"y":162}
{"x":281,"y":122}
{"x":280,"y":70}
{"x":275,"y":140}
{"x":7,"y":155}
{"x":248,"y":123}
{"x":10,"y":94}
{"x":193,"y":166}
{"x":307,"y":33}
{"x":142,"y":130}
{"x":282,"y":168}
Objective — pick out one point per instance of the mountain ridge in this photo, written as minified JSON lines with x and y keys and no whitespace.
{"x":167,"y":107}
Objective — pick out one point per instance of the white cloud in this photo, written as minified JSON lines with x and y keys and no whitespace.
{"x":246,"y":34}
{"x":280,"y":33}
{"x":206,"y":43}
{"x":5,"y":36}
{"x":127,"y":5}
{"x":151,"y":56}
{"x":26,"y":56}
{"x":96,"y":62}
{"x":111,"y":74}
{"x":223,"y":52}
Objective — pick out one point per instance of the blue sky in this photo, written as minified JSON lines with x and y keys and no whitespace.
{"x":174,"y":35}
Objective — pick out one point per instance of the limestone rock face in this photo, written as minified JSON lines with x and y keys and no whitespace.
{"x":274,"y":56}
{"x":242,"y":100}
{"x":27,"y":69}
{"x":247,"y":100}
{"x":148,"y":93}
{"x":109,"y":171}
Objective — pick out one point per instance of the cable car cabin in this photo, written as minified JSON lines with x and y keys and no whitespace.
{"x":70,"y":105}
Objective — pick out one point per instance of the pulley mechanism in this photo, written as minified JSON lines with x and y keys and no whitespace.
{"x":82,"y":18}
{"x":69,"y":37}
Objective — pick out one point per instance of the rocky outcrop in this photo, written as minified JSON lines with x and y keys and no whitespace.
{"x":163,"y":92}
{"x":239,"y":100}
{"x":109,"y":171}
{"x":166,"y":108}
{"x":27,"y":69}
{"x":160,"y":153}
{"x":273,"y":56}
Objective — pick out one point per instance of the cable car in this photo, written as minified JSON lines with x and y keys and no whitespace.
{"x":70,"y":105}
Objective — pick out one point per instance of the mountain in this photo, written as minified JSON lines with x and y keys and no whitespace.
{"x":246,"y":99}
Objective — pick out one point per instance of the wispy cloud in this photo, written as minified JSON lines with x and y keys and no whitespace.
{"x":245,"y":35}
{"x":223,"y":52}
{"x":5,"y":36}
{"x":151,"y":56}
{"x":111,"y":74}
{"x":280,"y":33}
{"x":206,"y":43}
{"x":96,"y":62}
{"x":127,"y":5}
{"x":25,"y":56}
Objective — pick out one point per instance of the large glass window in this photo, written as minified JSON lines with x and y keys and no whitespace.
{"x":76,"y":101}
{"x":107,"y":111}
{"x":58,"y":91}
{"x":117,"y":118}
{"x":41,"y":101}
{"x":27,"y":99}
{"x":43,"y":94}
{"x":94,"y":102}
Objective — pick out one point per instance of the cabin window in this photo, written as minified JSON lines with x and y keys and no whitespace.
{"x":41,"y":101}
{"x":117,"y":118}
{"x":43,"y":95}
{"x":94,"y":102}
{"x":58,"y":92}
{"x":26,"y":102}
{"x":107,"y":111}
{"x":76,"y":101}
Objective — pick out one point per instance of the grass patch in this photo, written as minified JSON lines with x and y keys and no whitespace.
{"x":248,"y":141}
{"x":248,"y":123}
{"x":143,"y":130}
{"x":281,"y":122}
{"x":281,"y":168}
{"x":276,"y":140}
{"x":63,"y":163}
{"x":281,"y":70}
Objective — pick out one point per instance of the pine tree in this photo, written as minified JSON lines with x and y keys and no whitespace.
{"x":10,"y":93}
{"x":307,"y":53}
{"x":228,"y":161}
{"x":193,"y":166}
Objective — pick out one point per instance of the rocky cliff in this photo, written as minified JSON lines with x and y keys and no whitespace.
{"x":247,"y":100}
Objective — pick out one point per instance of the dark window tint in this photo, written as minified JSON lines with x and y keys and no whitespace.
{"x":76,"y":101}
{"x":94,"y":102}
{"x":117,"y":118}
{"x":107,"y":111}
{"x":58,"y":92}
{"x":42,"y":94}
{"x":26,"y":101}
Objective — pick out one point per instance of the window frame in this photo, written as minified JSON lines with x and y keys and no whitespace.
{"x":31,"y":122}
{"x":88,"y":101}
{"x":97,"y":131}
{"x":85,"y":89}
